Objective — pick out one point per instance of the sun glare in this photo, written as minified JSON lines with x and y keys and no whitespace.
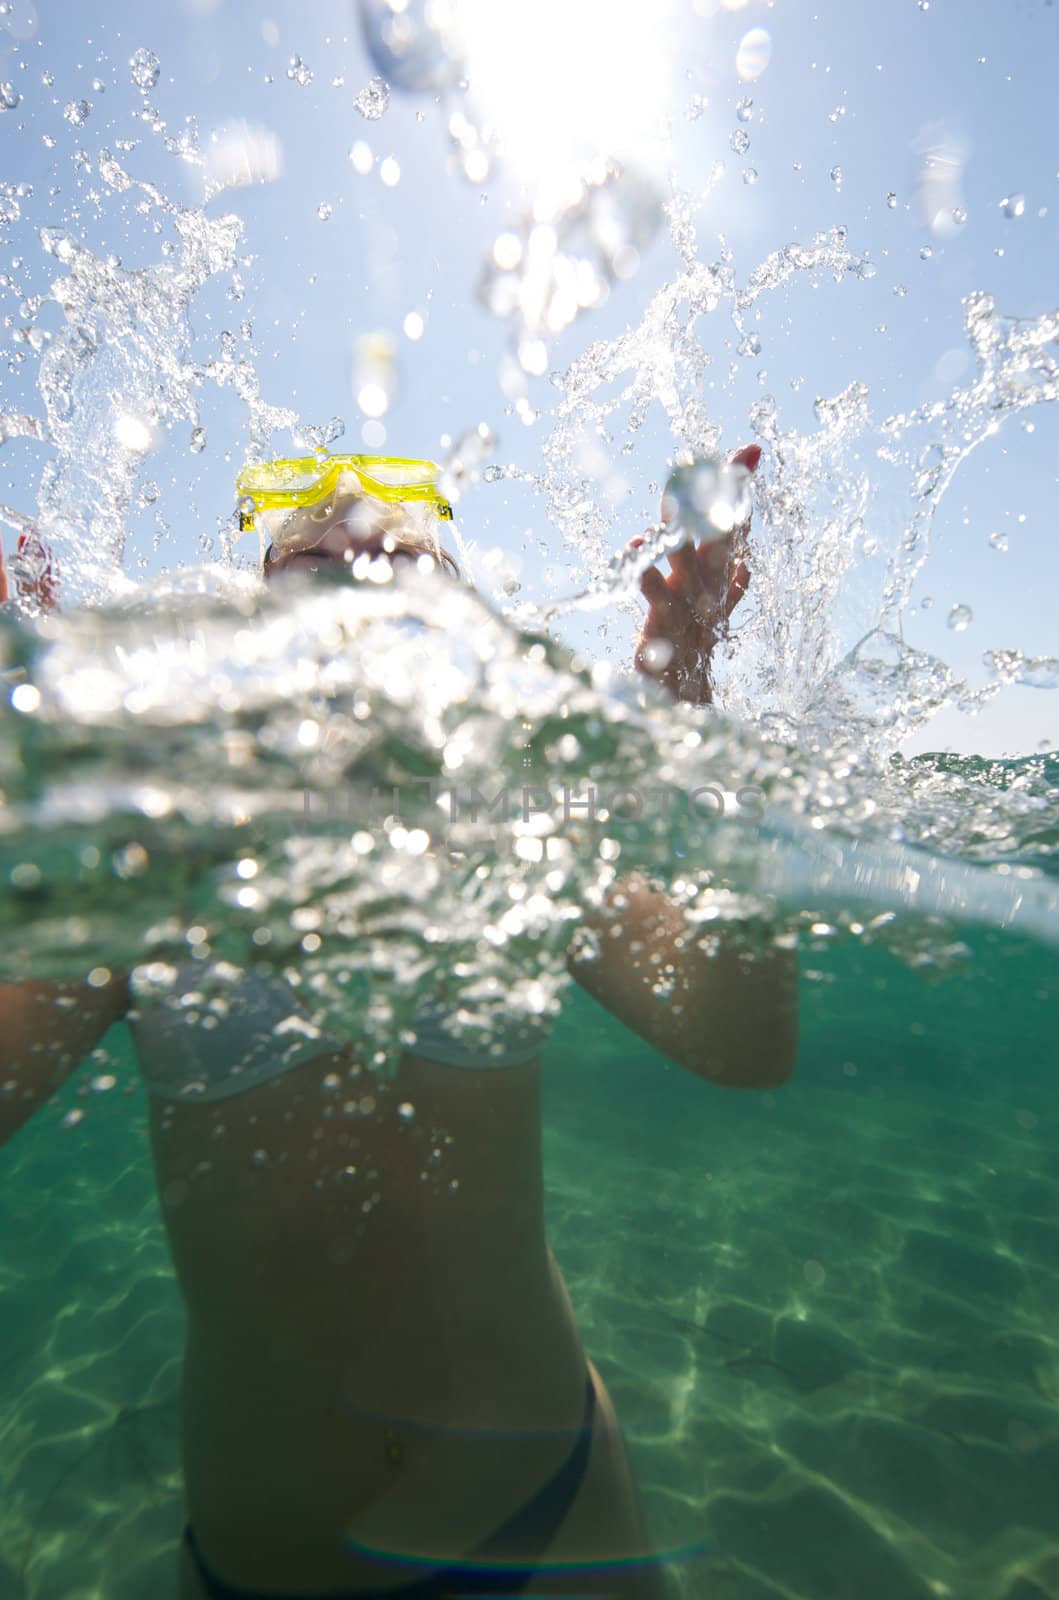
{"x":567,"y":84}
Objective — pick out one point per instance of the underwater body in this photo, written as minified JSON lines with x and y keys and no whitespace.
{"x":825,"y":1311}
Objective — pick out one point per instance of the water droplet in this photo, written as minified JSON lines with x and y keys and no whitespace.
{"x":144,"y":67}
{"x":926,"y":253}
{"x":740,"y":141}
{"x":47,"y":79}
{"x":754,"y":53}
{"x":361,"y":157}
{"x":959,"y":618}
{"x":9,"y":97}
{"x":750,"y":176}
{"x":750,"y":345}
{"x":77,"y":112}
{"x":833,"y":116}
{"x":412,"y":44}
{"x":197,"y":442}
{"x":900,"y":290}
{"x":707,"y":499}
{"x":373,"y":99}
{"x":998,"y":540}
{"x":57,"y":243}
{"x":406,"y":1111}
{"x":476,"y":167}
{"x":533,"y":356}
{"x":323,"y":211}
{"x":1013,"y":205}
{"x":745,"y":109}
{"x":959,"y":215}
{"x":836,"y":177}
{"x":891,"y":200}
{"x":298,"y":72}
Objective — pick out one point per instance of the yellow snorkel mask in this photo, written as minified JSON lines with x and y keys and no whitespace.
{"x":293,"y":482}
{"x":290,"y":501}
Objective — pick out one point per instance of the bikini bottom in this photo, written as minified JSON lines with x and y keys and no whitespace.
{"x":520,"y":1540}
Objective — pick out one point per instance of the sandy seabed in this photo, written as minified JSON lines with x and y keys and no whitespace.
{"x":827,"y":1316}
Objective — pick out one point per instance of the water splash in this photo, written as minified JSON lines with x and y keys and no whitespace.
{"x":826,"y":683}
{"x":121,"y":369}
{"x":707,"y":498}
{"x":373,"y":99}
{"x":819,"y":658}
{"x":564,"y":257}
{"x":412,"y":45}
{"x":424,"y":783}
{"x":144,"y":69}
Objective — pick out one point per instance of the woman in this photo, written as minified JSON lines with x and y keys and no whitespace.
{"x":384,"y":1387}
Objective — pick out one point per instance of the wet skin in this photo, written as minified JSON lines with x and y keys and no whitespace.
{"x":387,"y":1355}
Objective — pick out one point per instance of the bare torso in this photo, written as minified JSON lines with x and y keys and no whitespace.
{"x":381,"y":1350}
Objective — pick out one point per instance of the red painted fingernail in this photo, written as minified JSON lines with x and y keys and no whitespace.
{"x":23,"y":540}
{"x":636,"y":544}
{"x":748,"y":457}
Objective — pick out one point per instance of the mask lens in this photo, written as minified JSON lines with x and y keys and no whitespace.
{"x":281,"y":477}
{"x":403,"y":474}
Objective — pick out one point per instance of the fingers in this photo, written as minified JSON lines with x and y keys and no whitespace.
{"x":708,"y":576}
{"x":685,"y":568}
{"x":737,"y":588}
{"x":747,"y":457}
{"x":712,"y":561}
{"x":654,"y":588}
{"x":38,"y":577}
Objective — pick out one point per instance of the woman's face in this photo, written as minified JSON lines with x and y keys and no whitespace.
{"x":344,"y":536}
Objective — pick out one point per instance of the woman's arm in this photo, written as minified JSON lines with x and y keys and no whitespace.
{"x":723,"y":1014}
{"x":729,"y":1016}
{"x":46,"y":1030}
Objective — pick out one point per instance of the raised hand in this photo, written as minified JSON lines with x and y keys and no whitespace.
{"x":688,"y":611}
{"x":36,"y":574}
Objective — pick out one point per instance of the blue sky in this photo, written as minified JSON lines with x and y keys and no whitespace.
{"x":866,"y":89}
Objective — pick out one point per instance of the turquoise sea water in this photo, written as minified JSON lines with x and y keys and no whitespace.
{"x":827,"y":1314}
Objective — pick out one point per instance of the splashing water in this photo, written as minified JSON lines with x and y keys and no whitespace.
{"x":145,"y":68}
{"x":120,"y":369}
{"x":819,"y":660}
{"x":271,"y":783}
{"x":411,"y":45}
{"x":373,"y":99}
{"x":706,"y":499}
{"x":564,"y":260}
